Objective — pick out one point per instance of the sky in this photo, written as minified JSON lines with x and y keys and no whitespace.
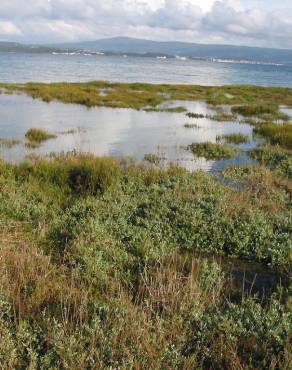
{"x":265,"y":23}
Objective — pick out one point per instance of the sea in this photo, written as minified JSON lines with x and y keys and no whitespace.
{"x":18,"y":67}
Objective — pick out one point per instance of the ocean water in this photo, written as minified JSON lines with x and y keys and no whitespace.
{"x":17,"y":67}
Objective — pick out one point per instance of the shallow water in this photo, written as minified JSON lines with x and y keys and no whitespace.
{"x":287,"y":111}
{"x":115,"y":132}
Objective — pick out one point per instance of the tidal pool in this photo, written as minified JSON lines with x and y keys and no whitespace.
{"x":116,"y":132}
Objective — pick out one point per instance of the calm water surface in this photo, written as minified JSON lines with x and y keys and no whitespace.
{"x":124,"y":132}
{"x":115,"y":132}
{"x":18,"y":67}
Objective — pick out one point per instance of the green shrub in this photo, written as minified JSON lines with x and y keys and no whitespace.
{"x":249,"y":334}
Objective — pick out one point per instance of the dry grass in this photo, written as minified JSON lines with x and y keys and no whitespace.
{"x":31,"y":281}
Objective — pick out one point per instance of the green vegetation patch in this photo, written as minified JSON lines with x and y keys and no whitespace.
{"x":265,"y":112}
{"x":277,"y":134}
{"x":76,"y":174}
{"x":233,"y":138}
{"x":222,"y":117}
{"x":213,"y":151}
{"x":97,"y":254}
{"x":143,"y":96}
{"x":37,"y":135}
{"x":275,"y":157}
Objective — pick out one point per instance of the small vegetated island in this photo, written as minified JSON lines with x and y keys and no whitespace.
{"x":105,"y":264}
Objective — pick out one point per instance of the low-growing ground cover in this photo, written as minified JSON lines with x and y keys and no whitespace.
{"x":93,"y":271}
{"x":98,"y":269}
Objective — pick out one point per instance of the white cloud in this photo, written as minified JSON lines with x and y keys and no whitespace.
{"x":7,"y":28}
{"x":254,"y":22}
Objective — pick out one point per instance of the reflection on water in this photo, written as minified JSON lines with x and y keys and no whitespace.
{"x":115,"y":132}
{"x":287,"y":111}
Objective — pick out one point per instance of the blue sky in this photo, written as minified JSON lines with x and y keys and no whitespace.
{"x":265,"y":23}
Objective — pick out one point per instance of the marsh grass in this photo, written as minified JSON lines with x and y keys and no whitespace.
{"x":275,"y":157}
{"x":141,"y":96}
{"x":37,"y":135}
{"x":70,"y":131}
{"x":233,"y":138}
{"x":195,"y":115}
{"x":222,"y":117}
{"x":99,"y":268}
{"x":191,"y":125}
{"x":261,"y":184}
{"x":153,"y":158}
{"x":212,"y":151}
{"x":80,"y":174}
{"x":165,"y":110}
{"x":276,"y":133}
{"x":9,"y":143}
{"x":263,"y":112}
{"x":254,"y":109}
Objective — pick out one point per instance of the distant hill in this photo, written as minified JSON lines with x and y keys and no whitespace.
{"x":131,"y":46}
{"x":14,"y":47}
{"x":173,"y":48}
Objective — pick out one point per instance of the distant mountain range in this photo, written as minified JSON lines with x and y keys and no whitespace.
{"x":131,"y":46}
{"x":14,"y":47}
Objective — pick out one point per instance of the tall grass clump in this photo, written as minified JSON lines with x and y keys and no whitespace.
{"x":276,"y":134}
{"x":213,"y":151}
{"x":80,"y":174}
{"x":37,"y":135}
{"x":254,"y":109}
{"x":263,"y":112}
